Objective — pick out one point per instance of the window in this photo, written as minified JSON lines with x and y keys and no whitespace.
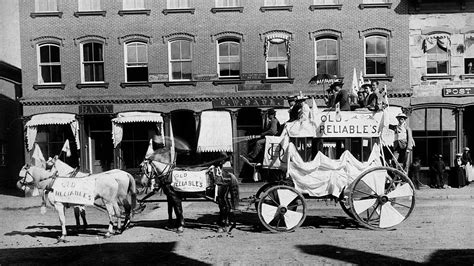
{"x":89,"y":5}
{"x":136,"y":62}
{"x":277,"y":58}
{"x":434,"y":132}
{"x":51,"y":139}
{"x":325,"y":2}
{"x":374,"y":1}
{"x":229,"y":58}
{"x":46,"y":5}
{"x":376,"y":55}
{"x":227,"y":3}
{"x":437,"y":60}
{"x":92,"y":62}
{"x":327,"y":56}
{"x":180,"y":60}
{"x":135,"y":142}
{"x":176,"y":4}
{"x":277,"y":2}
{"x":49,"y":64}
{"x":3,"y":153}
{"x":133,"y":4}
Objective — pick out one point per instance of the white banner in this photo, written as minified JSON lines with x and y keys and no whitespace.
{"x":348,"y":124}
{"x":275,"y":155}
{"x":189,"y":181}
{"x":74,"y":190}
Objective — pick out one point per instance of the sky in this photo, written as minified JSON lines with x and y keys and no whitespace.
{"x":10,"y":32}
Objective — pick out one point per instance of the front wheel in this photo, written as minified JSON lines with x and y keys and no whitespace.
{"x":281,"y":209}
{"x":381,"y":198}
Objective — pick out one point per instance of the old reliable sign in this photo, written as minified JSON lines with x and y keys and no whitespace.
{"x":189,"y":181}
{"x":74,"y":190}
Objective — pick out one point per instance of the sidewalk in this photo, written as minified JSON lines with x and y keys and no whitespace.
{"x":466,"y":192}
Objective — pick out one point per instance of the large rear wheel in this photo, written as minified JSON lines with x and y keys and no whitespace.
{"x":281,"y":209}
{"x":381,"y":198}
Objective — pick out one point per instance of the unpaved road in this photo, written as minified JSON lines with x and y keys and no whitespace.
{"x":438,"y":232}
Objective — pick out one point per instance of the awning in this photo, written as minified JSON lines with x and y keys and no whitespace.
{"x":50,"y":119}
{"x":134,"y":117}
{"x":215,"y":134}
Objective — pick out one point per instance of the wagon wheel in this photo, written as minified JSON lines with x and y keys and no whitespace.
{"x":260,"y":191}
{"x":345,"y":205}
{"x":281,"y":209}
{"x":381,"y":198}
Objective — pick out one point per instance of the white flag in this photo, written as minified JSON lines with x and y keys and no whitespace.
{"x":355,"y":86}
{"x":66,"y":148}
{"x":149,"y":151}
{"x":361,"y":80}
{"x":37,"y":158}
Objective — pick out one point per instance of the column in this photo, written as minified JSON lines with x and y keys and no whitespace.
{"x":197,"y":119}
{"x":235,"y":144}
{"x":459,"y":128}
{"x":84,"y":154}
{"x":167,"y":124}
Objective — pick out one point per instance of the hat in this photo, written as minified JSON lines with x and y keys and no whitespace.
{"x":366,"y":86}
{"x":300,"y":97}
{"x":271,"y":111}
{"x":337,"y":83}
{"x":400,"y":115}
{"x":466,"y":149}
{"x":458,"y":154}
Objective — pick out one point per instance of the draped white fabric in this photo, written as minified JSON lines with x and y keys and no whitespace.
{"x":324,"y":176}
{"x":443,"y":41}
{"x":134,"y":117}
{"x":215,"y":134}
{"x":282,"y":115}
{"x":50,"y":119}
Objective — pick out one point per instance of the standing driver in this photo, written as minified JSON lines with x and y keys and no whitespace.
{"x":403,"y":142}
{"x":341,"y":96}
{"x":271,"y":129}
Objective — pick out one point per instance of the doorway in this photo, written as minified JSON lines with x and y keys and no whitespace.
{"x":101,"y":149}
{"x":468,"y":127}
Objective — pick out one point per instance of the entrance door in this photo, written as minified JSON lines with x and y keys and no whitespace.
{"x":101,"y":149}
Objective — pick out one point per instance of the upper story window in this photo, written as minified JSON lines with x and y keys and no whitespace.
{"x":376,"y":55}
{"x":136,"y":62}
{"x":327,"y":55}
{"x":180,"y":54}
{"x":229,"y":58}
{"x":133,"y":4}
{"x":277,"y":2}
{"x":325,"y":2}
{"x":49,"y":64}
{"x":177,"y":4}
{"x":436,"y":48}
{"x":469,"y":53}
{"x":46,"y":5}
{"x":277,"y":58}
{"x":89,"y":5}
{"x":227,"y":3}
{"x":375,"y":1}
{"x":92,"y":62}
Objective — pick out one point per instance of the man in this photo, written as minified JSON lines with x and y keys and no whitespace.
{"x":341,"y":96}
{"x":375,"y":99}
{"x":437,"y":172}
{"x":271,"y":129}
{"x":403,"y":141}
{"x":467,"y":163}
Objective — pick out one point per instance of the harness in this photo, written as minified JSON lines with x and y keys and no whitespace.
{"x":162,"y":177}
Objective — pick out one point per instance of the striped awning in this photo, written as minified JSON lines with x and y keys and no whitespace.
{"x":133,"y":117}
{"x":51,"y":119}
{"x":215,"y":134}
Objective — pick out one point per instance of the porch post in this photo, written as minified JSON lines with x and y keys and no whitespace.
{"x":235,"y":144}
{"x":459,"y":128}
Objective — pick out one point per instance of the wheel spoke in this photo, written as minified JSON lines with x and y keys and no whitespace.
{"x":374,"y":182}
{"x":398,"y":203}
{"x":268,"y":212}
{"x":365,"y":193}
{"x":286,"y":196}
{"x":362,"y":205}
{"x":292,"y":218}
{"x":389,"y":216}
{"x":401,"y":191}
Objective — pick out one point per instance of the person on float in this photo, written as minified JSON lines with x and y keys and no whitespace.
{"x":403,"y":140}
{"x":375,"y":100}
{"x":341,"y":96}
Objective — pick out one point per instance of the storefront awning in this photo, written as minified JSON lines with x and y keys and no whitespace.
{"x":215,"y":134}
{"x":134,"y":117}
{"x":50,"y":119}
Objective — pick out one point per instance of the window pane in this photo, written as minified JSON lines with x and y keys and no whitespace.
{"x":99,"y":72}
{"x":131,"y":53}
{"x":381,"y":66}
{"x":381,"y":46}
{"x":277,"y":69}
{"x":87,"y":52}
{"x":331,"y":47}
{"x":187,"y":72}
{"x":321,"y":67}
{"x":370,"y":45}
{"x":54,"y":50}
{"x":332,"y":67}
{"x":433,"y":119}
{"x":55,"y":73}
{"x":137,"y":74}
{"x":97,"y":52}
{"x":321,"y":48}
{"x":443,"y":67}
{"x":223,"y":49}
{"x":469,"y":65}
{"x":185,"y":50}
{"x":45,"y":54}
{"x":88,"y":72}
{"x":46,"y":74}
{"x":175,"y":50}
{"x":417,"y":119}
{"x":235,"y":69}
{"x":431,"y":67}
{"x":449,"y":120}
{"x":142,"y":53}
{"x":224,"y":70}
{"x":176,"y":70}
{"x":370,"y":66}
{"x":281,"y":49}
{"x":234,"y":49}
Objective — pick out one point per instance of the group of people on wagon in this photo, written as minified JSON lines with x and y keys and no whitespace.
{"x":369,"y":96}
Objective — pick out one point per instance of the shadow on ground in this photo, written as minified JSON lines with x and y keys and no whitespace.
{"x":53,"y":231}
{"x":440,"y":257}
{"x":101,"y":254}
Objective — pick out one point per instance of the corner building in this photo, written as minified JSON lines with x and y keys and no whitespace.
{"x":108,"y":75}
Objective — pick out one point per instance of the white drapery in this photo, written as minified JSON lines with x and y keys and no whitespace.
{"x":215,"y":133}
{"x":442,"y":40}
{"x":134,"y":117}
{"x":51,"y":119}
{"x":282,"y":115}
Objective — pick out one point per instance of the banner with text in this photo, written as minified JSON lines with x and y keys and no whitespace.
{"x":189,"y":181}
{"x":74,"y":190}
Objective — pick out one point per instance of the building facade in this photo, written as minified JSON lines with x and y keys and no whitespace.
{"x":108,"y":75}
{"x":441,"y":76}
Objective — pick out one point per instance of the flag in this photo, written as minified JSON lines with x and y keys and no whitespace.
{"x":361,"y":80}
{"x":355,"y":86}
{"x":149,"y":151}
{"x":37,"y":158}
{"x":66,"y":148}
{"x":314,"y":111}
{"x":385,"y":95}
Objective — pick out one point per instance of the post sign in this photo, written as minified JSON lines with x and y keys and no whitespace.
{"x":458,"y":92}
{"x":74,"y":190}
{"x":253,"y":102}
{"x":95,"y":109}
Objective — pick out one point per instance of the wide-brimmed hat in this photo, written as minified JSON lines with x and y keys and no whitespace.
{"x":300,"y":97}
{"x":466,"y":149}
{"x":402,"y":115}
{"x":271,"y":111}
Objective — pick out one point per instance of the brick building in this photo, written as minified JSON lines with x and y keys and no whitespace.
{"x":142,"y":68}
{"x":441,"y":76}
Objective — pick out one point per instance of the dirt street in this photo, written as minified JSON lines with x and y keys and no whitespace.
{"x":440,"y":231}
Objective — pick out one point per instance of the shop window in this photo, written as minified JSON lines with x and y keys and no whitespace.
{"x":180,"y":65}
{"x":434,"y":132}
{"x":277,"y":58}
{"x":46,"y":5}
{"x":376,"y":55}
{"x":134,"y":145}
{"x":327,"y":56}
{"x":89,"y":5}
{"x":227,"y":3}
{"x":133,"y":4}
{"x":177,"y":4}
{"x":92,"y":57}
{"x":51,"y":140}
{"x":3,"y":154}
{"x":229,"y":58}
{"x":277,"y":2}
{"x":49,"y":64}
{"x":136,"y":62}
